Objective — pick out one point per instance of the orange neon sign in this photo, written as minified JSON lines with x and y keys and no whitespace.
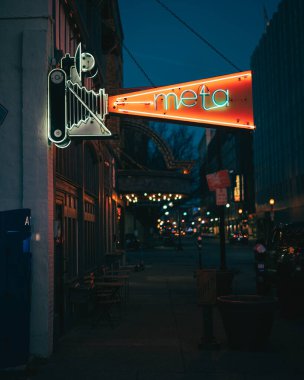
{"x":219,"y":101}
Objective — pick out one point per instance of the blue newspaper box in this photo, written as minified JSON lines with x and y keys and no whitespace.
{"x":15,"y":287}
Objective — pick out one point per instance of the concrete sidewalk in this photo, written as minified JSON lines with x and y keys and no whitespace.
{"x":158,"y":336}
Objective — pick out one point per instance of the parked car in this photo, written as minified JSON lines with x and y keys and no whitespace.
{"x":286,"y":260}
{"x":263,"y":277}
{"x":131,"y":242}
{"x":238,"y":237}
{"x":168,"y":238}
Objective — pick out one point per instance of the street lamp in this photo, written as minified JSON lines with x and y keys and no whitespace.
{"x":240,"y":211}
{"x":228,"y":221}
{"x":271,"y":202}
{"x":270,"y":221}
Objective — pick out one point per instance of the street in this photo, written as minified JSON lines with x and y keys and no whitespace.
{"x":239,"y":258}
{"x":161,"y":327}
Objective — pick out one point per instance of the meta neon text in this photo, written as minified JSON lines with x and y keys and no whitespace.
{"x":189,"y":98}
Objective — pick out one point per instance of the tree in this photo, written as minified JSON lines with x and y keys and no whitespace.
{"x":179,"y":139}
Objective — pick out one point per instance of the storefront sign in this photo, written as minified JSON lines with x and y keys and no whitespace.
{"x":76,"y":112}
{"x":220,"y":101}
{"x":221,"y":197}
{"x":238,"y":190}
{"x":218,"y":180}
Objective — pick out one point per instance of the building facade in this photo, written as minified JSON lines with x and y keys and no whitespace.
{"x":71,"y":192}
{"x":278,"y":67}
{"x":232,"y":151}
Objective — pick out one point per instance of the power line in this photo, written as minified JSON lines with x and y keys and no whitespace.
{"x":198,"y":35}
{"x":138,"y":65}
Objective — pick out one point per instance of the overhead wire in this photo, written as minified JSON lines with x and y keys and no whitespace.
{"x":203,"y":39}
{"x":138,"y":65}
{"x":192,"y":30}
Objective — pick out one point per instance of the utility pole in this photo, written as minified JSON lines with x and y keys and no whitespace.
{"x":221,"y":208}
{"x":179,"y":243}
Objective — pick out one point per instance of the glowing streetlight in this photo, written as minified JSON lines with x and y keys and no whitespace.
{"x":271,"y":202}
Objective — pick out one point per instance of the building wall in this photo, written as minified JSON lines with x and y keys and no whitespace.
{"x":31,"y":45}
{"x":86,"y":201}
{"x":26,"y":164}
{"x":230,"y":150}
{"x":278,"y":72}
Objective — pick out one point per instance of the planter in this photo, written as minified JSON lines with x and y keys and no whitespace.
{"x":290,"y":293}
{"x":247,"y":320}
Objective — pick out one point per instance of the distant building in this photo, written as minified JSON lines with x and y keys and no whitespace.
{"x":230,"y":150}
{"x":278,"y":82}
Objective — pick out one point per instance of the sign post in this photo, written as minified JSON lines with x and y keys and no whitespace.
{"x":218,"y":182}
{"x":206,"y":285}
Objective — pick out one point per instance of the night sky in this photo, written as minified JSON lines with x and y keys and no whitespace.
{"x":169,"y":53}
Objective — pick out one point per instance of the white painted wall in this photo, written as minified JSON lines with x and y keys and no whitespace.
{"x":26,"y":165}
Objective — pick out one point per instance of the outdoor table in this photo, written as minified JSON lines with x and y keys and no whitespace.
{"x":110,"y":289}
{"x":119,"y":277}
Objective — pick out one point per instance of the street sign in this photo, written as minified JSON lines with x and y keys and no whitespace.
{"x":219,"y":101}
{"x":221,"y":197}
{"x":206,"y":285}
{"x":218,"y":180}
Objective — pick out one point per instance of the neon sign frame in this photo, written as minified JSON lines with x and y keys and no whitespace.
{"x":219,"y":101}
